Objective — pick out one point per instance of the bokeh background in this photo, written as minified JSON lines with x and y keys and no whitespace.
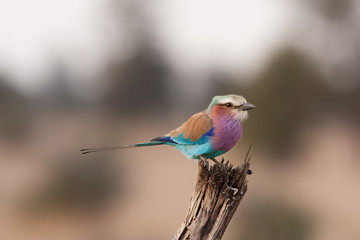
{"x":79,"y":73}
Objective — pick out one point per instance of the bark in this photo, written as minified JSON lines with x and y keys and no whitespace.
{"x":218,"y":192}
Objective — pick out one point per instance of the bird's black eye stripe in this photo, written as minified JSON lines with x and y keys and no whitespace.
{"x":229,"y":105}
{"x":239,"y":106}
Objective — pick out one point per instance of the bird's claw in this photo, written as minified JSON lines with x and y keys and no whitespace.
{"x":205,"y":161}
{"x":222,"y":166}
{"x":214,"y":160}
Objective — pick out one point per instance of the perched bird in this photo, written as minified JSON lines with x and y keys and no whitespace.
{"x":206,"y":134}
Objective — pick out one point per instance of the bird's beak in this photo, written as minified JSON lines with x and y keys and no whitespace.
{"x":247,"y":106}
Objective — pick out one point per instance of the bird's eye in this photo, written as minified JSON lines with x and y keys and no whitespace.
{"x":229,"y":105}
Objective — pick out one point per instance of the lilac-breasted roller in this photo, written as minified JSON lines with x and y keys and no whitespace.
{"x":206,"y":134}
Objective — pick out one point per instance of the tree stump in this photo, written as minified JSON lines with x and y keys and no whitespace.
{"x":218,"y":192}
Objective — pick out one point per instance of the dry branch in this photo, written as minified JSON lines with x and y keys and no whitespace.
{"x":218,"y":192}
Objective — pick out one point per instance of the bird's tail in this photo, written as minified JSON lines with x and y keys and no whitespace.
{"x":98,"y":149}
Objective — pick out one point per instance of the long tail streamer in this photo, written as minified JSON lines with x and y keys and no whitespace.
{"x":98,"y":149}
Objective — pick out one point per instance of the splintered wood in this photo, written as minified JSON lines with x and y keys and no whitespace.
{"x":218,"y":192}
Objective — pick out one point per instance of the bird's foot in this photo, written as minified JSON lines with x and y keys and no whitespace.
{"x":214,"y":160}
{"x":205,"y":161}
{"x":222,"y":166}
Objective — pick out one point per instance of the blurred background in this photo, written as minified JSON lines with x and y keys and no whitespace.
{"x":80,"y":73}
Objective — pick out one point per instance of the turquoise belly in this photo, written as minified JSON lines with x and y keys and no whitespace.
{"x":195,"y":151}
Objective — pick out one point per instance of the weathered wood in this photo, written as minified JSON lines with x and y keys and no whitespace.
{"x":218,"y":192}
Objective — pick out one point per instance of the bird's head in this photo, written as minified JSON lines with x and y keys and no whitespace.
{"x":234,"y":105}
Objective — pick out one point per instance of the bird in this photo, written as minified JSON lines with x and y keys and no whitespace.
{"x":205,"y":135}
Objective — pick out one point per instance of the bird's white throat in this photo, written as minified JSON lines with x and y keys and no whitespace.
{"x":240,"y":115}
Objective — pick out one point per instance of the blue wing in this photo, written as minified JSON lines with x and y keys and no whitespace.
{"x":180,"y":139}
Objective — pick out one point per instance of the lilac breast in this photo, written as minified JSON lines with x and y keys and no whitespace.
{"x":227,"y":132}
